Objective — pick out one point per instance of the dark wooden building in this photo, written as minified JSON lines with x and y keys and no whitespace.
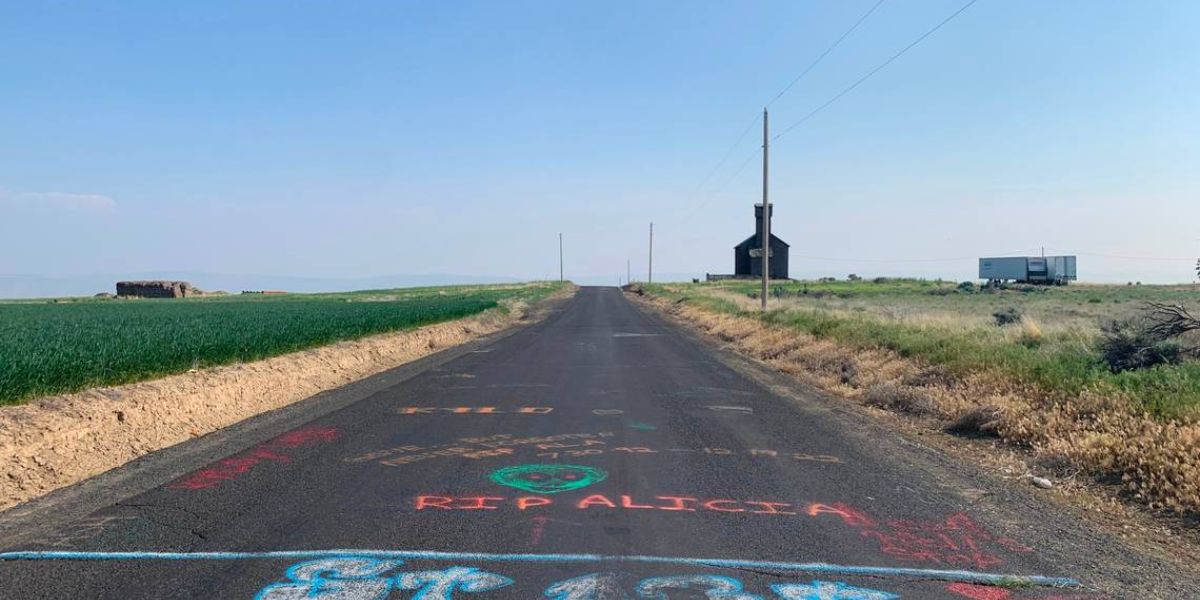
{"x":155,"y":289}
{"x":747,"y":256}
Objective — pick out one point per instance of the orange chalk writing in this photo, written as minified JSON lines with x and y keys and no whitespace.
{"x":596,"y":499}
{"x":442,"y":502}
{"x":716,"y":505}
{"x":677,"y":503}
{"x":850,"y":516}
{"x":525,"y":502}
{"x":478,"y":502}
{"x":627,"y":502}
{"x":769,"y":508}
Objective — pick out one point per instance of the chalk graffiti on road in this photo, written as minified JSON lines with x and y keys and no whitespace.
{"x":957,"y":540}
{"x":548,"y":479}
{"x":275,"y":450}
{"x":593,"y":586}
{"x":625,"y":501}
{"x":473,"y":410}
{"x":365,"y":578}
{"x":828,"y":590}
{"x":373,"y":564}
{"x":345,"y":577}
{"x":753,"y":452}
{"x":355,"y":578}
{"x":975,"y":591}
{"x":715,"y":587}
{"x":478,"y":447}
{"x":561,"y":446}
{"x":441,"y":585}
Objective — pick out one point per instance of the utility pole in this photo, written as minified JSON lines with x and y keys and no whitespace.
{"x":766,"y":227}
{"x":560,"y":259}
{"x":650,"y":269}
{"x":627,"y":272}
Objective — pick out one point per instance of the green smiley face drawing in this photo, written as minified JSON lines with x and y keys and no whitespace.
{"x":548,"y":479}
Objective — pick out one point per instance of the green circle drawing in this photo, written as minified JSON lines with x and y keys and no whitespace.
{"x":548,"y":479}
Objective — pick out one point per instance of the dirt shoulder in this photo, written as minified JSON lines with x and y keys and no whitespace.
{"x":825,"y":366}
{"x":57,"y":441}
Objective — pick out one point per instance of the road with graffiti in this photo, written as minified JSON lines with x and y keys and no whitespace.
{"x":599,"y":455}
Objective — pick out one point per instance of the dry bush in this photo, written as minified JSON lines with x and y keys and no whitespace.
{"x":931,"y":376}
{"x":1155,"y":338}
{"x":898,"y":398}
{"x":979,"y":421}
{"x":1006,"y":316}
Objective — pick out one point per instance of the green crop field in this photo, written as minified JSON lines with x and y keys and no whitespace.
{"x":56,"y":346}
{"x":1054,"y":344}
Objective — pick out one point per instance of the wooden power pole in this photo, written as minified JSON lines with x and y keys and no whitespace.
{"x":650,"y":269}
{"x":766,"y":222}
{"x":560,"y":259}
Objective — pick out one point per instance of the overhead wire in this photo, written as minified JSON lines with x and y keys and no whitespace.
{"x":826,"y":52}
{"x":872,"y":72}
{"x":749,"y":126}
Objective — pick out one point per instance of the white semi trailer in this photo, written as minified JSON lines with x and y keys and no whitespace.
{"x":1056,"y":270}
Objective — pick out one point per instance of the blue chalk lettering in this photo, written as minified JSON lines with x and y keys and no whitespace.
{"x":721,"y":563}
{"x":826,"y":590}
{"x":593,"y":586}
{"x":341,"y":578}
{"x":441,"y":585}
{"x":715,"y":587}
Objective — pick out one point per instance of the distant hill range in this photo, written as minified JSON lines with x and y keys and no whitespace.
{"x":37,"y":286}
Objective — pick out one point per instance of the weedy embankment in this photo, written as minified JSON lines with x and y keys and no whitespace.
{"x":1026,"y":366}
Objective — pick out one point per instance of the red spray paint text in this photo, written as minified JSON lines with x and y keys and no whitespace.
{"x":274,"y":450}
{"x":665,"y":503}
{"x":957,"y":540}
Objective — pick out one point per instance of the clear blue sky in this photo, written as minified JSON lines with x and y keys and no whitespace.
{"x":367,"y":138}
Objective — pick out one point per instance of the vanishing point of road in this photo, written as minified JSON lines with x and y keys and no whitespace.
{"x":599,"y":454}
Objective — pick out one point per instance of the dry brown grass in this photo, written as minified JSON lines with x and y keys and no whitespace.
{"x":1156,"y":461}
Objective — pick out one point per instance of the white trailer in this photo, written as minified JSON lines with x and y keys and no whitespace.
{"x":1056,"y":270}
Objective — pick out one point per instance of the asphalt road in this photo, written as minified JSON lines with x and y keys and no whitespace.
{"x":600,"y":454}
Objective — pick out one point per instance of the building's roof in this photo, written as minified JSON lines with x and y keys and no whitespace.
{"x":752,"y":241}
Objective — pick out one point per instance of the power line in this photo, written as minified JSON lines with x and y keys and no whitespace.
{"x":872,"y":72}
{"x":728,"y":152}
{"x":753,"y":121}
{"x":961,"y":258}
{"x":912,"y":260}
{"x":713,"y":194}
{"x":1147,"y":258}
{"x":825,"y":53}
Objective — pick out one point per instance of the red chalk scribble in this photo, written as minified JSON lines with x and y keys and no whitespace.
{"x":956,"y":541}
{"x":979,"y":592}
{"x":850,"y":515}
{"x":231,"y":468}
{"x":539,"y":526}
